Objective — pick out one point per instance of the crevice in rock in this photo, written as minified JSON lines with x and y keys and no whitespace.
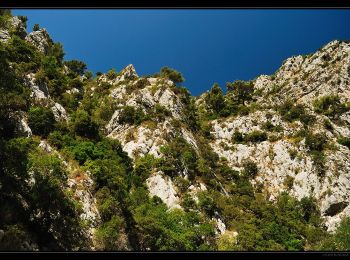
{"x":336,"y":208}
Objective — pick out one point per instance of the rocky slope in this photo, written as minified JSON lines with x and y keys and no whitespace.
{"x":303,"y":79}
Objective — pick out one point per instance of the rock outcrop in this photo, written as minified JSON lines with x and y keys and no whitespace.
{"x":39,"y":90}
{"x":286,"y":164}
{"x":162,"y":186}
{"x":40,"y":39}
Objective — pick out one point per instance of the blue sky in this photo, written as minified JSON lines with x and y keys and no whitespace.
{"x":207,"y":46}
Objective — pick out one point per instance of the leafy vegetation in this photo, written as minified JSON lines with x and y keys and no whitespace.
{"x":252,"y":137}
{"x":344,"y":141}
{"x":291,"y":112}
{"x":330,"y":106}
{"x":41,"y":120}
{"x":171,"y":74}
{"x":242,"y":91}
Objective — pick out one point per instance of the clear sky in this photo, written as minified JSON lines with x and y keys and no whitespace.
{"x":207,"y":46}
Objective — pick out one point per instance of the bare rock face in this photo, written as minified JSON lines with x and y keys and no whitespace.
{"x":21,"y":126}
{"x":4,"y":35}
{"x":40,"y":39}
{"x":39,"y":89}
{"x":59,"y":112}
{"x":128,"y":73}
{"x":148,"y":137}
{"x":306,"y":78}
{"x":162,"y":186}
{"x":81,"y":184}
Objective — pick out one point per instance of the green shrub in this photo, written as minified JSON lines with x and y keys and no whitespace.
{"x":41,"y":120}
{"x":127,"y":115}
{"x":241,"y":90}
{"x":109,"y":233}
{"x":160,"y":112}
{"x":207,"y":203}
{"x":255,"y":136}
{"x":293,"y":153}
{"x":327,"y":124}
{"x":250,"y":169}
{"x":215,"y":99}
{"x":36,"y":27}
{"x":307,"y":119}
{"x":142,"y":169}
{"x":291,"y":112}
{"x":5,"y":17}
{"x":289,"y":181}
{"x":111,"y":74}
{"x":330,"y":106}
{"x":316,"y":142}
{"x":274,"y":138}
{"x":344,"y":141}
{"x":50,"y":66}
{"x":182,"y":183}
{"x":171,"y":74}
{"x":83,"y":125}
{"x":188,"y":202}
{"x":130,"y":115}
{"x":178,"y":157}
{"x":318,"y":158}
{"x":76,"y":67}
{"x":272,"y":128}
{"x":243,"y":110}
{"x":141,"y":83}
{"x":20,"y":51}
{"x":237,"y":137}
{"x":83,"y":151}
{"x":56,"y":50}
{"x":340,"y":241}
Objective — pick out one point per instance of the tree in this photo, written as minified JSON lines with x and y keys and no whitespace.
{"x":171,"y":74}
{"x":41,"y":120}
{"x":215,"y":99}
{"x":36,"y":27}
{"x":76,"y":66}
{"x":243,"y":91}
{"x":250,"y":169}
{"x":50,"y":66}
{"x":111,"y":74}
{"x":56,"y":50}
{"x":83,"y":125}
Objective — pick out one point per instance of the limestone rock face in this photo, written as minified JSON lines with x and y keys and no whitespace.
{"x":39,"y":89}
{"x":308,"y":77}
{"x":24,"y":128}
{"x":148,"y":137}
{"x":285,"y":164}
{"x":128,"y":73}
{"x":4,"y":36}
{"x":40,"y":39}
{"x":162,"y":186}
{"x":59,"y":112}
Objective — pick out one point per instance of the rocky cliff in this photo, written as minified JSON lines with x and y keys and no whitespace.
{"x":217,"y":156}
